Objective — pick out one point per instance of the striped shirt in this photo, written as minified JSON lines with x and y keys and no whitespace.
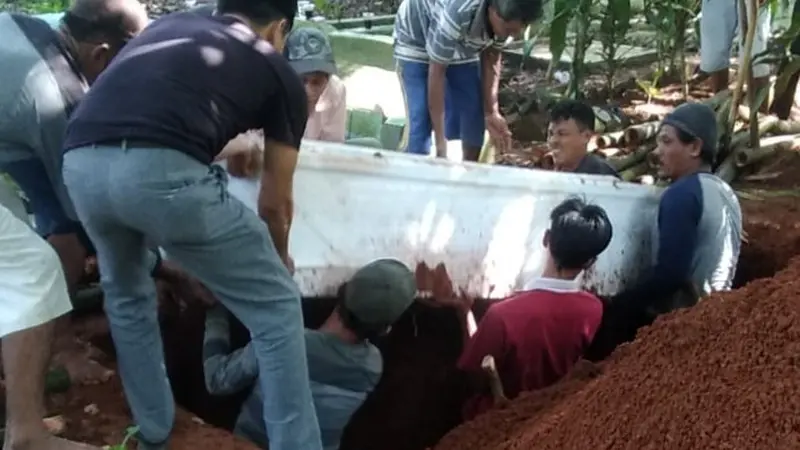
{"x":442,"y":31}
{"x":40,"y":86}
{"x":341,"y":375}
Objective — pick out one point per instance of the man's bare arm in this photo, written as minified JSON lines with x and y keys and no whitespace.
{"x":436,"y":85}
{"x":491,"y":60}
{"x":275,"y":201}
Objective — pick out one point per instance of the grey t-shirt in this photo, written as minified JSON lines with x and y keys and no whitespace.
{"x":341,"y":376}
{"x":40,"y":86}
{"x":595,"y":165}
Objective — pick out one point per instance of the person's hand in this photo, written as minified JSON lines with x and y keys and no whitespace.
{"x":499,"y":132}
{"x":246,"y":164}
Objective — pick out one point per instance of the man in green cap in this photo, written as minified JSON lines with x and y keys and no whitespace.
{"x":343,"y":365}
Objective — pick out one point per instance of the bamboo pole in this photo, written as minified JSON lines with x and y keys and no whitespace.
{"x":764,"y":126}
{"x":607,"y":153}
{"x":614,"y":139}
{"x":727,"y":170}
{"x":751,"y":8}
{"x":765,"y":147}
{"x":636,"y":171}
{"x":636,"y":134}
{"x":495,"y":383}
{"x":632,"y":159}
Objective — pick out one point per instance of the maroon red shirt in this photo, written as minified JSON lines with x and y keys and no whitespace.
{"x":535,"y":337}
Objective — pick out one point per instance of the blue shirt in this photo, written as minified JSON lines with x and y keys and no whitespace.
{"x":697,"y":238}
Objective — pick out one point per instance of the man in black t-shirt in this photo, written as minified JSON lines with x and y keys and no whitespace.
{"x":137,"y":165}
{"x":571,"y":127}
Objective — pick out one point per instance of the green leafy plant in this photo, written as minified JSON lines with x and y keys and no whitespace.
{"x":615,"y":22}
{"x":129,"y":434}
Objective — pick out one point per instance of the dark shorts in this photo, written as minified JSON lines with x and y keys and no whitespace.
{"x":49,"y":215}
{"x":463,"y":115}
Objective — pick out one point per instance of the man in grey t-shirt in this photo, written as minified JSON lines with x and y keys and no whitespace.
{"x":343,"y":365}
{"x":570,"y":129}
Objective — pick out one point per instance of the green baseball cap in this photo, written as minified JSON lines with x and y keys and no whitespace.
{"x":380,"y":292}
{"x":309,"y":50}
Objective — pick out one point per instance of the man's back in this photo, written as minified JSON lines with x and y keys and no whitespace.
{"x":192,"y":83}
{"x":540,"y":334}
{"x":719,"y":229}
{"x":39,"y":87}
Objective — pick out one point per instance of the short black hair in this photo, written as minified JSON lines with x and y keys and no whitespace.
{"x":707,"y":153}
{"x":261,"y":12}
{"x":579,"y":231}
{"x":93,"y":21}
{"x":576,"y":110}
{"x":526,"y":11}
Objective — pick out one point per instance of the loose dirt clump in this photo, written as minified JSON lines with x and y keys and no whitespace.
{"x":722,"y":375}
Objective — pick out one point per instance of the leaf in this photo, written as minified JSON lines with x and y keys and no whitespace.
{"x":782,"y":83}
{"x":564,"y":10}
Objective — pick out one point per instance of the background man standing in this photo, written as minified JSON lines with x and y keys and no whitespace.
{"x":449,"y":60}
{"x":719,"y":24}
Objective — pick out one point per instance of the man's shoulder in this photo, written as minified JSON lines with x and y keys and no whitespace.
{"x":595,"y":165}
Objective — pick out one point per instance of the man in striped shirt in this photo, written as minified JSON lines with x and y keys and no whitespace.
{"x":343,"y":365}
{"x":448,"y":59}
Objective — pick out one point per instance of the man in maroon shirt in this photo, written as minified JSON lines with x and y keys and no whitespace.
{"x":537,"y":335}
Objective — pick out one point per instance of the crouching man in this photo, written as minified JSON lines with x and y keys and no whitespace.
{"x":310,"y":54}
{"x":343,"y":366}
{"x":697,"y":234}
{"x":537,"y":335}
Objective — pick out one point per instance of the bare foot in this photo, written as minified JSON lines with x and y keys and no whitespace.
{"x":76,"y":358}
{"x":49,"y":443}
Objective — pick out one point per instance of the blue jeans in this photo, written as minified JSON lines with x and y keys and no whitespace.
{"x":463,"y":105}
{"x":126,"y":195}
{"x":50,"y":215}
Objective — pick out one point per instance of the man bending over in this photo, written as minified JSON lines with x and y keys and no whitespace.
{"x":537,"y":335}
{"x":46,"y":74}
{"x":138,"y":167}
{"x":344,"y":366}
{"x":448,"y":56}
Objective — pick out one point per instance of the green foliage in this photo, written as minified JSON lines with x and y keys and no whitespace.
{"x":129,"y":434}
{"x":34,"y":6}
{"x":615,"y":22}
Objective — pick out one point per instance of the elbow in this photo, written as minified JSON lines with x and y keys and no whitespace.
{"x":276,"y":211}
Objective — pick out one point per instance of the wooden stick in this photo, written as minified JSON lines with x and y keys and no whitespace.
{"x":610,"y":139}
{"x":495,"y":384}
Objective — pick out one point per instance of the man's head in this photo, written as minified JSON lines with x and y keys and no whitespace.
{"x":310,"y":54}
{"x":570,"y":129}
{"x":687,"y":140}
{"x":510,"y":17}
{"x":376,"y":296}
{"x":100,"y":28}
{"x":579,"y":232}
{"x":270,"y":19}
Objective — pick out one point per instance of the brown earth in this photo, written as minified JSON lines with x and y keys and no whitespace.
{"x":722,"y":375}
